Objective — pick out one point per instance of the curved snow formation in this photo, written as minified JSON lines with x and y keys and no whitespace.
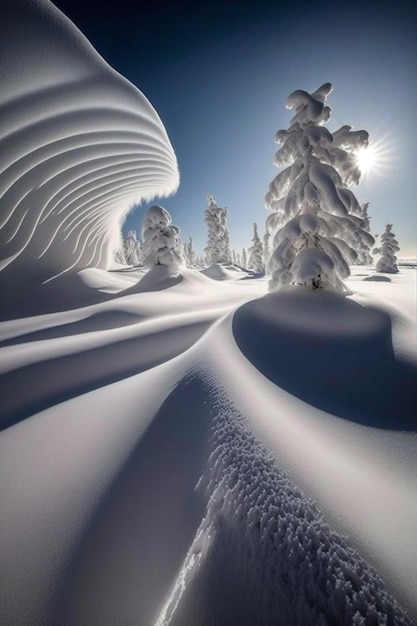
{"x":79,"y":145}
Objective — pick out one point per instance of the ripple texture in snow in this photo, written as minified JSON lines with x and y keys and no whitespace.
{"x":79,"y":146}
{"x":264,"y":555}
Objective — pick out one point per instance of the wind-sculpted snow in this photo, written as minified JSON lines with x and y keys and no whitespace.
{"x":263,"y":535}
{"x":159,"y":474}
{"x":79,"y":145}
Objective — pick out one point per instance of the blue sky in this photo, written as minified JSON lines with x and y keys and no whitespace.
{"x":219,"y":75}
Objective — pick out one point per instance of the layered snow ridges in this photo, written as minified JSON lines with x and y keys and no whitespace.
{"x":79,"y":146}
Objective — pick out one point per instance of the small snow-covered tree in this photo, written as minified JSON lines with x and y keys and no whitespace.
{"x":387,"y":262}
{"x":190,"y":253}
{"x":255,"y":261}
{"x":132,"y":249}
{"x":218,"y":246}
{"x":316,"y":216}
{"x":162,"y":244}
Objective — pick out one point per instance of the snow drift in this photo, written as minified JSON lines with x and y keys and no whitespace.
{"x":156,"y":469}
{"x":79,"y":145}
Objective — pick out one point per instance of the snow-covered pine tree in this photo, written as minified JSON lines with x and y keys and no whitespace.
{"x":267,"y":251}
{"x":162,"y":244}
{"x":387,"y":263}
{"x":244,"y":259}
{"x":218,"y":246}
{"x":132,"y":249}
{"x":318,"y":218}
{"x":256,"y":252}
{"x":190,"y":253}
{"x":185,"y":254}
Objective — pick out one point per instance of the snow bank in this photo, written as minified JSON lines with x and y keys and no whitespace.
{"x":79,"y":145}
{"x":94,"y":485}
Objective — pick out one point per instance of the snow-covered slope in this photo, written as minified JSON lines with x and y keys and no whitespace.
{"x":79,"y":145}
{"x":161,"y":469}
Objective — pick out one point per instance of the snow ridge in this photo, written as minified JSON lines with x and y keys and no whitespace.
{"x":80,"y":145}
{"x":295,"y":568}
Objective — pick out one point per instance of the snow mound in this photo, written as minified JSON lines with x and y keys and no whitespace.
{"x":319,"y":346}
{"x":159,"y":277}
{"x":216,"y":271}
{"x":79,"y":145}
{"x":376,"y":278}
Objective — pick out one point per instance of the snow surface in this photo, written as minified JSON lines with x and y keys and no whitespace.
{"x":177,"y":447}
{"x":160,"y":465}
{"x":79,"y":146}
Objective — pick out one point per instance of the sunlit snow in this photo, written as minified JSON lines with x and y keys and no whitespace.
{"x":171,"y":457}
{"x":79,"y":145}
{"x":180,"y":447}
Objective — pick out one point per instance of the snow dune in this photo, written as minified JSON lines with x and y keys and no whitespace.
{"x":168,"y":474}
{"x":79,"y":145}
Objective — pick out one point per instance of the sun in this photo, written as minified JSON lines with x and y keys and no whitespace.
{"x":378,"y":158}
{"x":366,"y":159}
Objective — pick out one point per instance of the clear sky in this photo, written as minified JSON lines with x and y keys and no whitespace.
{"x":219,"y":74}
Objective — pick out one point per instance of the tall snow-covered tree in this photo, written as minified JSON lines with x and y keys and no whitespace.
{"x":256,"y":252}
{"x":387,"y":263}
{"x":132,"y":249}
{"x":317,"y":218}
{"x":267,"y":251}
{"x":162,"y":244}
{"x":190,"y":254}
{"x":218,"y":245}
{"x":244,"y":259}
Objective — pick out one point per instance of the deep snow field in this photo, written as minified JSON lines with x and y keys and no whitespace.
{"x":191,"y":450}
